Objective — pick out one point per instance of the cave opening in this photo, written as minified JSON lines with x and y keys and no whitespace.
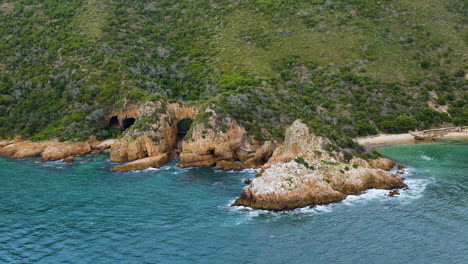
{"x":114,"y":122}
{"x":128,"y":122}
{"x":183,"y":127}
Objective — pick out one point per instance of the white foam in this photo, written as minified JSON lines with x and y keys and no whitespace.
{"x":424,"y":157}
{"x":151,"y":169}
{"x":253,"y":171}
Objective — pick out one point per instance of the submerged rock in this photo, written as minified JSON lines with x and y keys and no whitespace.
{"x":69,"y":159}
{"x":141,"y":164}
{"x":393,"y":193}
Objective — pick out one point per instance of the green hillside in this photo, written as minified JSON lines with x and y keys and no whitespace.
{"x":347,"y":68}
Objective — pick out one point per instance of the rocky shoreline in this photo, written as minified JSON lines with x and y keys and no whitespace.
{"x":301,"y":173}
{"x":304,"y":170}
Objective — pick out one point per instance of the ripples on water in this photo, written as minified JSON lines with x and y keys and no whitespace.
{"x":82,"y":213}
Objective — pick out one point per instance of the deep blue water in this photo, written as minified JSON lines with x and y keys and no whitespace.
{"x":83,"y":213}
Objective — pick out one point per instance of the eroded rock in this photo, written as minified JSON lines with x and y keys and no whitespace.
{"x":302,"y":173}
{"x":141,"y":164}
{"x":59,"y":150}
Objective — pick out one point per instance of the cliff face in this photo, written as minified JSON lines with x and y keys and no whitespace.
{"x":318,"y":177}
{"x":209,"y":142}
{"x":299,"y":142}
{"x":224,"y":143}
{"x":161,"y":135}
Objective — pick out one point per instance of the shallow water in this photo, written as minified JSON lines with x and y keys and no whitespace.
{"x":83,"y":213}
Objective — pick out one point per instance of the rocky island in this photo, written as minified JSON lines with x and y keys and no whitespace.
{"x":302,"y":172}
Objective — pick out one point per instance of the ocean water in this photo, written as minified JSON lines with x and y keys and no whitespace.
{"x":83,"y":213}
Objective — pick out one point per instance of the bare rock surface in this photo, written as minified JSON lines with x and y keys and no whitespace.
{"x":141,"y":164}
{"x":299,"y":141}
{"x":317,"y":177}
{"x":59,"y":150}
{"x":48,"y":150}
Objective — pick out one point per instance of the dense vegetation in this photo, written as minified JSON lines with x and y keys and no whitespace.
{"x":347,"y":68}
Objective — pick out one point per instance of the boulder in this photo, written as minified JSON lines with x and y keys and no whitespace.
{"x":141,"y":164}
{"x":382,"y":163}
{"x":359,"y":162}
{"x":230,"y":165}
{"x":393,"y":193}
{"x":299,"y":141}
{"x":4,"y":143}
{"x":196,"y":160}
{"x":58,"y":150}
{"x":102,"y":145}
{"x":69,"y":159}
{"x":23,"y":149}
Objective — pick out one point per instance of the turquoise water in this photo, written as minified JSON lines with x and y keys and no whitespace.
{"x":83,"y":213}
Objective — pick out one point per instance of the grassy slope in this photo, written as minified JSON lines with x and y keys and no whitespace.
{"x":88,"y":56}
{"x":390,"y":47}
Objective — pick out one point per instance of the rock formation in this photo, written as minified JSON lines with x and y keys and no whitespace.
{"x":159,"y":134}
{"x":300,"y":142}
{"x":50,"y":150}
{"x":141,"y":164}
{"x":224,"y":143}
{"x":302,"y":172}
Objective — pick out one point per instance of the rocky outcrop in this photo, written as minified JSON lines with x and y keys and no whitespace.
{"x":435,"y":134}
{"x":59,"y":150}
{"x":159,"y":134}
{"x":359,"y":163}
{"x":48,"y":150}
{"x":211,"y":139}
{"x":213,"y":142}
{"x":102,"y":145}
{"x":286,"y":186}
{"x":196,"y":160}
{"x":4,"y":143}
{"x":223,"y":142}
{"x":24,"y":149}
{"x":317,"y":177}
{"x":231,"y":166}
{"x":382,"y":163}
{"x":300,"y":142}
{"x":141,"y":164}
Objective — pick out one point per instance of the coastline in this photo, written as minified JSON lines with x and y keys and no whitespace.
{"x":414,"y":137}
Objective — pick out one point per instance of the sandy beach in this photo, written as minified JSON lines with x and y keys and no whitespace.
{"x":387,"y":139}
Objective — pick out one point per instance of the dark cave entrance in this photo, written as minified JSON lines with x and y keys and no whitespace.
{"x":114,"y":122}
{"x":183,"y":127}
{"x":128,"y":122}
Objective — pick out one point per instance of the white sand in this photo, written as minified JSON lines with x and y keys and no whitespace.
{"x":384,"y":139}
